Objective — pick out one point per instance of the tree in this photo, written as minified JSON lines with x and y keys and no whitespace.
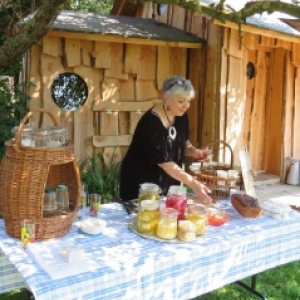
{"x":42,"y":13}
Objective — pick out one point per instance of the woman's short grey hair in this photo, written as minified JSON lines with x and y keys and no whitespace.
{"x":178,"y":86}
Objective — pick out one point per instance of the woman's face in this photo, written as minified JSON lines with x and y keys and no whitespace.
{"x":178,"y":105}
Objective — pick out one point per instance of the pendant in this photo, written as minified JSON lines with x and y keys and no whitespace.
{"x":172,"y":132}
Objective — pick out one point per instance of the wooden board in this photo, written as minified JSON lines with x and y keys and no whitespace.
{"x":163,"y":65}
{"x":147,"y":63}
{"x":247,"y":172}
{"x":72,"y":52}
{"x":102,"y":55}
{"x":116,"y":68}
{"x":86,"y":52}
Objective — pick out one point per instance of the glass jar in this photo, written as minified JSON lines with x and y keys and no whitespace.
{"x":58,"y":136}
{"x":62,"y":196}
{"x":197,"y":214}
{"x":186,"y":230}
{"x":167,"y":224}
{"x":26,"y":134}
{"x":149,"y":191}
{"x":176,"y":198}
{"x":50,"y":203}
{"x":147,"y":218}
{"x":40,"y":138}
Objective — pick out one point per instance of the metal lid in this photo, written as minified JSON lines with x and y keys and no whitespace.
{"x":62,"y":186}
{"x":150,"y":187}
{"x":49,"y":190}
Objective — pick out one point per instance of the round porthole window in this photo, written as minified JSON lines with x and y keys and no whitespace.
{"x":69,"y":91}
{"x":250,"y":70}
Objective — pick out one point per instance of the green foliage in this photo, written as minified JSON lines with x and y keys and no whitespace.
{"x":101,"y":177}
{"x":95,"y":6}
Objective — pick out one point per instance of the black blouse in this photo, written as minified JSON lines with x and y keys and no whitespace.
{"x":150,"y":146}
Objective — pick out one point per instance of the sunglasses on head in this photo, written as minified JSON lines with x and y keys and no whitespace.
{"x":179,"y":82}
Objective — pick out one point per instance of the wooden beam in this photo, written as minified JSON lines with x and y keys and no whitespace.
{"x":121,"y":39}
{"x":260,"y":31}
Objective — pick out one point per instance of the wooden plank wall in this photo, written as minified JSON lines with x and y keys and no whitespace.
{"x":123,"y":80}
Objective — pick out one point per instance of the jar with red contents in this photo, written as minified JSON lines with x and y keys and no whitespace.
{"x":176,"y":198}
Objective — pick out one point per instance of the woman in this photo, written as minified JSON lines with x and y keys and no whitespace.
{"x":159,"y":144}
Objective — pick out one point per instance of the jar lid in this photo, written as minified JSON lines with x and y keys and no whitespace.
{"x":197,"y":209}
{"x":169,"y":212}
{"x":62,"y":186}
{"x":149,"y":187}
{"x":149,"y":204}
{"x":177,"y":189}
{"x":49,"y":190}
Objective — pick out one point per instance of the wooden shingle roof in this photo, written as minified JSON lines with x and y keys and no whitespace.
{"x":131,"y":27}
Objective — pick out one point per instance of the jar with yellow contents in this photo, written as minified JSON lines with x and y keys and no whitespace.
{"x":167,"y":223}
{"x":147,"y":218}
{"x":197,"y":214}
{"x":149,"y":191}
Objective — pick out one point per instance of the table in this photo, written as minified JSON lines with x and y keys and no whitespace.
{"x":131,"y":267}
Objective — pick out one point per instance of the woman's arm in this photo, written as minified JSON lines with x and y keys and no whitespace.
{"x":200,"y":190}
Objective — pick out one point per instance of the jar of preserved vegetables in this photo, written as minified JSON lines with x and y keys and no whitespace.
{"x":197,"y":214}
{"x":147,"y":218}
{"x":176,"y":198}
{"x":167,"y":223}
{"x":149,"y":191}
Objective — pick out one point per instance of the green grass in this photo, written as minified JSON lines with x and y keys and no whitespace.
{"x":280,"y":283}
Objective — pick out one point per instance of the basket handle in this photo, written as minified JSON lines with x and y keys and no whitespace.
{"x":227,"y":145}
{"x":25,"y":119}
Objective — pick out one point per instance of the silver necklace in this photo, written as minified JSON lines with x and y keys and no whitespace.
{"x":172,"y":130}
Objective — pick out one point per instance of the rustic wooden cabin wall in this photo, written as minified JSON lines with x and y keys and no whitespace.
{"x":123,"y":80}
{"x":262,"y":112}
{"x":268,"y":118}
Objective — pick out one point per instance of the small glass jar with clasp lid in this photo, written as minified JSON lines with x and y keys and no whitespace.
{"x":177,"y":198}
{"x":26,"y":134}
{"x":149,"y":191}
{"x":197,"y":213}
{"x":62,"y":196}
{"x":167,"y":223}
{"x":58,"y":136}
{"x":147,"y":218}
{"x":50,"y":203}
{"x":40,"y":138}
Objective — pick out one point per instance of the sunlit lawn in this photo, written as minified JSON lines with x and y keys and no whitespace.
{"x":281,"y":283}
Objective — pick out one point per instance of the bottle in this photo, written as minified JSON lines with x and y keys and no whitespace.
{"x":82,"y":203}
{"x":62,"y":196}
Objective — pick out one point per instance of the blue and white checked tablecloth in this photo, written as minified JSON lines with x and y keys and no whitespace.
{"x":131,"y":267}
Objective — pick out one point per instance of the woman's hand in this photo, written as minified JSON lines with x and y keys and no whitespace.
{"x":201,"y":155}
{"x":201,"y":191}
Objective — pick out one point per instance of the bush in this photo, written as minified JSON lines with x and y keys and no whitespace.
{"x":101,"y":178}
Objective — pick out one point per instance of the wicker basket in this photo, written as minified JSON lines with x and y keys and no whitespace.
{"x":220,"y":187}
{"x":25,"y":172}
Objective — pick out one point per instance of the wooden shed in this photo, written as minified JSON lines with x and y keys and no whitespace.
{"x":123,"y":62}
{"x":250,"y":93}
